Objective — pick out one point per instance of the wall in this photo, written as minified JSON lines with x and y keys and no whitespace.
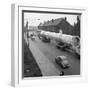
{"x":5,"y":42}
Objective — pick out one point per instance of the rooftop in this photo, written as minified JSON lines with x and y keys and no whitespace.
{"x":52,"y":22}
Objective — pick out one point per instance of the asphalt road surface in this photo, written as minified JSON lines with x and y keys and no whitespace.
{"x":50,"y":51}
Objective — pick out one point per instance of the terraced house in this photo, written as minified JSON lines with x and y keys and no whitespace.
{"x":55,"y":25}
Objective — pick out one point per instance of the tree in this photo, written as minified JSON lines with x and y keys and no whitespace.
{"x":76,"y":28}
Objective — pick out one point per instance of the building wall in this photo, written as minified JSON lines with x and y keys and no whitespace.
{"x":65,"y":27}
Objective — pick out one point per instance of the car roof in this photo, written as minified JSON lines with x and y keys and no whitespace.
{"x":65,"y":62}
{"x":62,"y":57}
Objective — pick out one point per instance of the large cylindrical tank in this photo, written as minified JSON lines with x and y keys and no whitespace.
{"x":69,"y":39}
{"x":73,"y":41}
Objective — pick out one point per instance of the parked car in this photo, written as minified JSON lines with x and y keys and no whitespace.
{"x":62,"y":61}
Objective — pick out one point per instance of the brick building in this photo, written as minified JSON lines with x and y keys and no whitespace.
{"x":55,"y":25}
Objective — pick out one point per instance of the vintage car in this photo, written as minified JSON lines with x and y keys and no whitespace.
{"x":32,"y":38}
{"x":62,"y":61}
{"x":62,"y":46}
{"x":45,"y":39}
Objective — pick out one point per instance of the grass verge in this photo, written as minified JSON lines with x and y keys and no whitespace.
{"x":31,"y":68}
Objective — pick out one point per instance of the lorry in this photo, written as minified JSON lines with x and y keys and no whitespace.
{"x":68,"y":42}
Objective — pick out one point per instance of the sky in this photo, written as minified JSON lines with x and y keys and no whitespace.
{"x":35,"y":19}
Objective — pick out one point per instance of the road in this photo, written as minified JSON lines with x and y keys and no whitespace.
{"x":50,"y":51}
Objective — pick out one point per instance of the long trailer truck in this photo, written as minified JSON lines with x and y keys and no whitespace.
{"x":72,"y":43}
